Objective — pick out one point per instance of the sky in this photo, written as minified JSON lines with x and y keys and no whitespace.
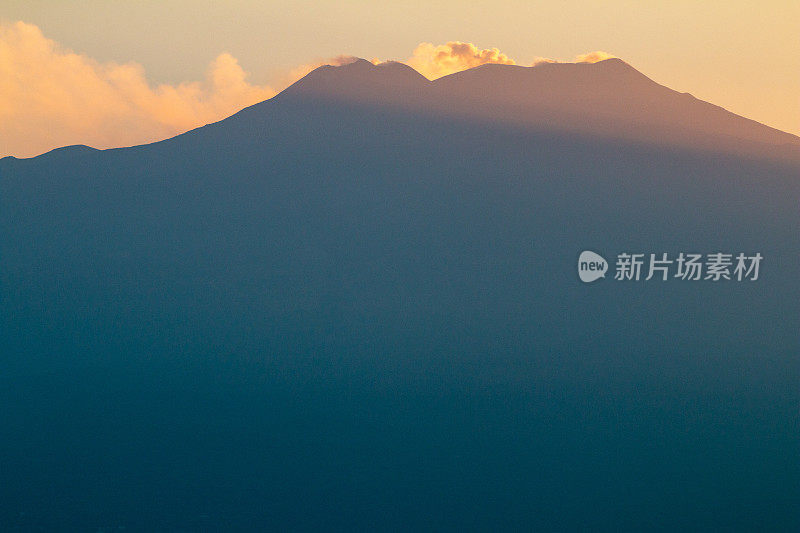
{"x":114,"y":73}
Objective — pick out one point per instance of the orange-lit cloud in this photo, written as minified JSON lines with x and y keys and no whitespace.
{"x":51,"y":97}
{"x":437,"y":61}
{"x":543,"y":60}
{"x":593,"y":57}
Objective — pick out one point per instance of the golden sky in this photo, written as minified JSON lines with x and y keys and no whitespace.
{"x":112,"y":72}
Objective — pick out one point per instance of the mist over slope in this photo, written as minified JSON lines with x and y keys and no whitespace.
{"x":359,"y":312}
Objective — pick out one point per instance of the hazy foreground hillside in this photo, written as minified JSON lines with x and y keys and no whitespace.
{"x":356,"y":306}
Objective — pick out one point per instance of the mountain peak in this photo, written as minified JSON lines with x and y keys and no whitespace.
{"x":611,"y":61}
{"x":608,"y":98}
{"x":615,"y":66}
{"x":360,"y":80}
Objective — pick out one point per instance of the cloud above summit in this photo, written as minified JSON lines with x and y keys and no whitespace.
{"x":436,"y":61}
{"x":593,"y":57}
{"x":51,"y":96}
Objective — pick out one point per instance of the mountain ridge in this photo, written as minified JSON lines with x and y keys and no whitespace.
{"x":608,"y":98}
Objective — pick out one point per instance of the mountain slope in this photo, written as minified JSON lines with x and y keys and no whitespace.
{"x":609,"y":99}
{"x":335,"y":314}
{"x":614,"y":94}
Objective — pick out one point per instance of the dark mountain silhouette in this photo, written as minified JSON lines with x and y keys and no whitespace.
{"x":608,"y":98}
{"x":355,"y":306}
{"x":361,"y":80}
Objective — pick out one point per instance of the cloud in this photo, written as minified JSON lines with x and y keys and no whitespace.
{"x":51,"y":97}
{"x":543,"y":60}
{"x":437,"y":61}
{"x":590,"y":57}
{"x":593,"y":57}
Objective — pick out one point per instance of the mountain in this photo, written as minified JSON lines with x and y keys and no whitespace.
{"x":356,"y":306}
{"x":608,"y":98}
{"x":363,"y":81}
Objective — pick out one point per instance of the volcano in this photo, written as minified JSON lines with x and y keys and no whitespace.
{"x":355,"y":306}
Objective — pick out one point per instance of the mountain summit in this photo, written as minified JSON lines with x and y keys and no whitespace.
{"x":609,"y":98}
{"x":361,"y":80}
